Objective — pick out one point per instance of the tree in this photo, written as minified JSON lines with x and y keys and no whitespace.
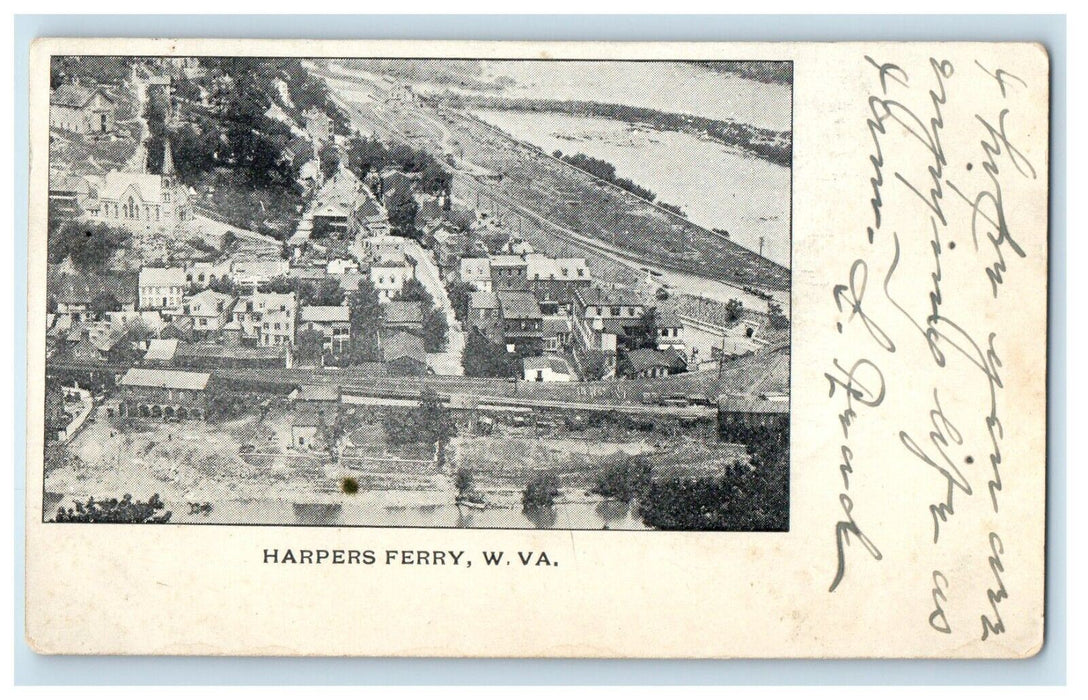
{"x":594,"y":365}
{"x":624,"y":477}
{"x":402,"y":214}
{"x":778,"y":320}
{"x":435,"y":326}
{"x":482,"y":358}
{"x":541,"y":491}
{"x":366,"y":320}
{"x":112,"y":510}
{"x":746,"y":497}
{"x":733,"y":309}
{"x":103,"y":303}
{"x":428,"y":423}
{"x":329,"y":159}
{"x":90,"y":245}
{"x":460,"y":294}
{"x":310,"y":343}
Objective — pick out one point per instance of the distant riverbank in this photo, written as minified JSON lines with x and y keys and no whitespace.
{"x":773,"y":146}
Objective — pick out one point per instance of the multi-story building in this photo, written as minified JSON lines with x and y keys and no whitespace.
{"x":616,"y":311}
{"x":253,"y":312}
{"x":164,"y":393}
{"x":477,"y":272}
{"x":74,"y":294}
{"x":209,"y":310}
{"x":84,"y":110}
{"x":404,"y":316}
{"x":522,"y":322}
{"x":140,"y":201}
{"x":669,"y":329}
{"x":389,"y":276}
{"x":333,"y":322}
{"x":555,"y":280}
{"x":161,"y":288}
{"x":508,"y":272}
{"x":483,"y":315}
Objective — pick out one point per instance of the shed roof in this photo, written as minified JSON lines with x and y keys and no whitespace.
{"x":325,"y":314}
{"x":404,"y":345}
{"x":165,"y":378}
{"x":518,"y":305}
{"x":161,"y":350}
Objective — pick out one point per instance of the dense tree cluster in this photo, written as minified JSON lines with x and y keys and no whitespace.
{"x":435,"y":325}
{"x":482,"y":358}
{"x":90,"y":245}
{"x":624,"y":477}
{"x":325,"y":292}
{"x":460,"y":294}
{"x":366,"y":319}
{"x":366,"y":154}
{"x":541,"y":491}
{"x":605,"y":171}
{"x":746,"y":497}
{"x":428,"y":423}
{"x":112,"y":510}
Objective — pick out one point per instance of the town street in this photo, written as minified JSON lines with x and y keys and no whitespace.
{"x":448,"y":362}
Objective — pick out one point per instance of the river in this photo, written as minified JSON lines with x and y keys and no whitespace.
{"x":716,"y":186}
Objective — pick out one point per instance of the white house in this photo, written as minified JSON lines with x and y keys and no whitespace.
{"x":161,"y":288}
{"x":477,"y":272}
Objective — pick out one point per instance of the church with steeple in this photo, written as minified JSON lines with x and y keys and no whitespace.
{"x":140,"y":201}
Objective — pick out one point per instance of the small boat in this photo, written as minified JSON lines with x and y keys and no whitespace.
{"x":478,"y":505}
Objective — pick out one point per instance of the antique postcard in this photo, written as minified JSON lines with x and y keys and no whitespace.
{"x":553,"y":349}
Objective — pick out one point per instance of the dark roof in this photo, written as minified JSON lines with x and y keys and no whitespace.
{"x":402,"y":345}
{"x":667,"y":318}
{"x":403,"y":312}
{"x":483,"y":300}
{"x":518,"y":305}
{"x":642,"y":359}
{"x":81,"y":288}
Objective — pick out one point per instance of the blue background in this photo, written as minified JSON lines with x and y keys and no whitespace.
{"x":1049,"y":667}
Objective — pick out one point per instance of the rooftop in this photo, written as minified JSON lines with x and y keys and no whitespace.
{"x":404,"y":345}
{"x":644,"y":358}
{"x":517,"y":305}
{"x":166,"y":379}
{"x":161,"y":350}
{"x":162,"y":277}
{"x":325,"y":314}
{"x":553,"y":362}
{"x":403,"y":312}
{"x":483,"y":300}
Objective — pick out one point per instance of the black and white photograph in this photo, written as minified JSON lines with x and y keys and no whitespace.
{"x":419,"y":293}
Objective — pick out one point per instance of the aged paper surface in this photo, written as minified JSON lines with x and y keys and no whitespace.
{"x":504,"y":349}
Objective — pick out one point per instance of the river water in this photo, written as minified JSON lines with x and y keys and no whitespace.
{"x":716,"y":186}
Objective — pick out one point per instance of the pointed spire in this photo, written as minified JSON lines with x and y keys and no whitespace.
{"x":167,"y":158}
